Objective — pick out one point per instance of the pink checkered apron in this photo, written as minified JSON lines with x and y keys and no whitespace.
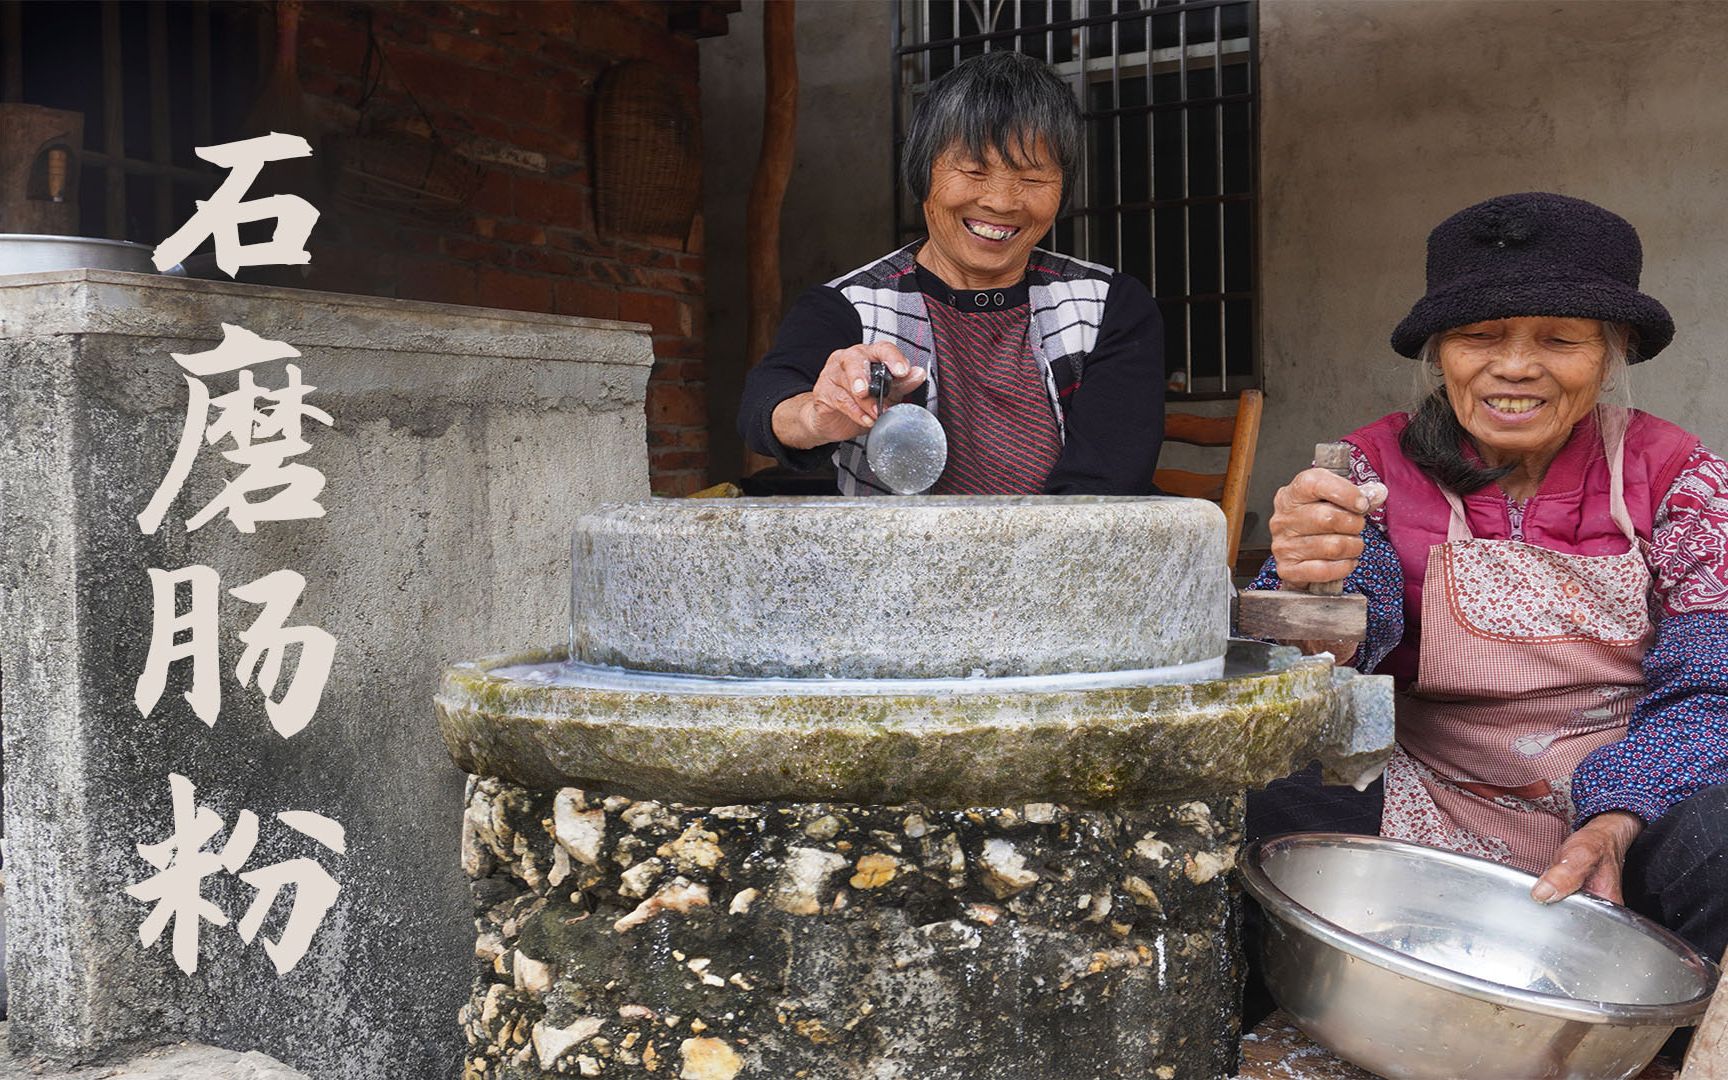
{"x":1529,"y":660}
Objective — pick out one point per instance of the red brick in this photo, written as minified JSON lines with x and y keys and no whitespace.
{"x":470,"y":48}
{"x":668,"y":281}
{"x":551,"y":203}
{"x":330,"y":40}
{"x":674,"y":461}
{"x":679,"y":485}
{"x":503,"y":94}
{"x":575,"y":240}
{"x":519,"y":292}
{"x":442,"y":280}
{"x":678,"y":348}
{"x":557,"y":18}
{"x":494,"y":197}
{"x":327,"y":84}
{"x":348,"y":268}
{"x":677,"y":404}
{"x":570,"y":144}
{"x":664,"y":438}
{"x":403,"y":24}
{"x":429,"y":76}
{"x":520,"y":232}
{"x":480,"y":252}
{"x":678,"y":370}
{"x":488,"y":126}
{"x":540,"y":261}
{"x":692,"y":264}
{"x":584,"y":298}
{"x":666,"y":314}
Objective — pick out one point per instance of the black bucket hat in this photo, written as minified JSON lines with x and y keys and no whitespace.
{"x":1534,"y":254}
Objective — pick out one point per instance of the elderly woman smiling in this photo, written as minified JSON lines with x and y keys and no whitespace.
{"x":1547,"y":579}
{"x":1046,"y":372}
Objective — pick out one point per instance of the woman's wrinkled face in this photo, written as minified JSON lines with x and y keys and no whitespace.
{"x":1519,"y":385}
{"x":984,"y":216}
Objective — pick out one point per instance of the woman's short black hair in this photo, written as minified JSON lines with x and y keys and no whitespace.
{"x":1001,"y":101}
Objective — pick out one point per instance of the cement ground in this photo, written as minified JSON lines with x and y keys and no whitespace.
{"x":180,"y":1061}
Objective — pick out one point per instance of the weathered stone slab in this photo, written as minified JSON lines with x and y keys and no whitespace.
{"x":842,"y":942}
{"x":465,"y":441}
{"x":1274,"y":712}
{"x":911,"y":588}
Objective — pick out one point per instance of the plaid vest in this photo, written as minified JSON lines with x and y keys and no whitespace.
{"x":1067,"y":305}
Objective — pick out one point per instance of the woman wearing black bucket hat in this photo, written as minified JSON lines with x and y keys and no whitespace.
{"x":1547,"y":577}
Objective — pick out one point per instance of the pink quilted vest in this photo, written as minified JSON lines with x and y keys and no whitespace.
{"x":1569,"y":513}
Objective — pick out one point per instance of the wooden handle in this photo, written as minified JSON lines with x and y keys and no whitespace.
{"x":1334,"y":457}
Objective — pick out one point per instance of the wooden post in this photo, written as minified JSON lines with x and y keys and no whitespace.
{"x":1707,"y":1059}
{"x":768,"y":190}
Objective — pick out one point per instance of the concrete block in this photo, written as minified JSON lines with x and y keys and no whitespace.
{"x":465,"y":443}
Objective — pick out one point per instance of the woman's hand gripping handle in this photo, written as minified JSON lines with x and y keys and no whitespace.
{"x":1317,"y":523}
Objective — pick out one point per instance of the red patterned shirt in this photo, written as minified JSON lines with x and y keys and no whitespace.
{"x":1002,"y":434}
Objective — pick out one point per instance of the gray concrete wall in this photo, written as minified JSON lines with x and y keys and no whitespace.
{"x":839,"y":210}
{"x":465,"y":442}
{"x":1380,"y":119}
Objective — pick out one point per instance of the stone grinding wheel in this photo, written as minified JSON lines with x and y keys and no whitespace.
{"x":901,"y":588}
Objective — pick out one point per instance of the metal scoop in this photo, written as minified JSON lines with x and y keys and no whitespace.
{"x":907,"y":449}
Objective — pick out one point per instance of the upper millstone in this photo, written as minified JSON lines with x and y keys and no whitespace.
{"x":909,"y":588}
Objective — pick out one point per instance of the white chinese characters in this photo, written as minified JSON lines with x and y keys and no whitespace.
{"x":182,"y":864}
{"x":258,"y":429}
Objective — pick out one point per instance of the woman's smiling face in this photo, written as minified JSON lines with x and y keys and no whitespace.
{"x":985,"y":216}
{"x":1519,"y":385}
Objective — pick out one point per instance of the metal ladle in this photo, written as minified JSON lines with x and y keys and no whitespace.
{"x":907,"y":449}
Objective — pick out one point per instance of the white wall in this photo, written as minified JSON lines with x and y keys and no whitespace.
{"x":1381,"y":118}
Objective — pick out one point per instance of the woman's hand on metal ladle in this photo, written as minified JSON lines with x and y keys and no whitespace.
{"x":840,"y":405}
{"x":1317,"y":523}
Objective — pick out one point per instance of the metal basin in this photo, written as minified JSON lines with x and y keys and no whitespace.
{"x":28,"y":253}
{"x":1414,"y":962}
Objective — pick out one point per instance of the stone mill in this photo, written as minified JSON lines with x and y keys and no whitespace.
{"x":883,"y":789}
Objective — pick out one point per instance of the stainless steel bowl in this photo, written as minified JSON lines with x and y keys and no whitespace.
{"x":29,"y":253}
{"x":1413,"y":962}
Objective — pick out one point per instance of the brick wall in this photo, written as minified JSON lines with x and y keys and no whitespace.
{"x":510,"y":86}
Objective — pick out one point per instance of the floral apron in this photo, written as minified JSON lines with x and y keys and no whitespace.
{"x":1529,"y":660}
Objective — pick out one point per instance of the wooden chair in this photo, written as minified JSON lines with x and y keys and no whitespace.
{"x":1229,"y":489}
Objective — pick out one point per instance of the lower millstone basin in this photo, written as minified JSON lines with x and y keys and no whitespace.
{"x":529,"y":719}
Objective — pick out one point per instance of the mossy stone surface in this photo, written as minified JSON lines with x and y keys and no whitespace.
{"x":1125,"y":746}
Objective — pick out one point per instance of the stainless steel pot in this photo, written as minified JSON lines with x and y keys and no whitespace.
{"x":28,"y":253}
{"x":1413,"y":962}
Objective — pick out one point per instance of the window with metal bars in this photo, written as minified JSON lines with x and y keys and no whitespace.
{"x":153,"y":79}
{"x":1167,"y":190}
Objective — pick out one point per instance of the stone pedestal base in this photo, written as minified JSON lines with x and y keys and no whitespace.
{"x":841,"y":942}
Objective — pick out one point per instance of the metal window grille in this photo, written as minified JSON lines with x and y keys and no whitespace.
{"x":154,"y":79}
{"x":1168,"y":186}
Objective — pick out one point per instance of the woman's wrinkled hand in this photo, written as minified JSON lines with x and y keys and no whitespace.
{"x":1591,"y":859}
{"x":1317,"y":523}
{"x":840,"y":405}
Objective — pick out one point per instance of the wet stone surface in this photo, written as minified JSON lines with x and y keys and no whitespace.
{"x":622,"y":938}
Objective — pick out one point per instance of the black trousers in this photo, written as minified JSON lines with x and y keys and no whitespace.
{"x":1676,"y":871}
